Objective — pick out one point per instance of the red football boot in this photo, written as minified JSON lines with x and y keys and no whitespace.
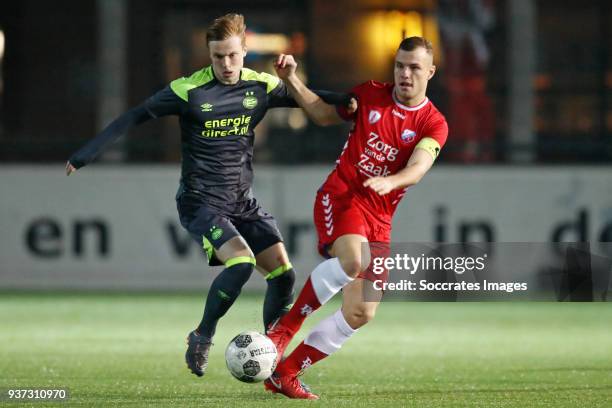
{"x":281,"y":337}
{"x":289,"y":386}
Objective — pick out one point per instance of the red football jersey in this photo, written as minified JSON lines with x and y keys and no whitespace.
{"x":383,"y":137}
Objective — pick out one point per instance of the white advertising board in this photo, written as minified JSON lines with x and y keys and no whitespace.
{"x":117,"y":227}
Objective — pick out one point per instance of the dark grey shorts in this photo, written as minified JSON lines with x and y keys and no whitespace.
{"x":212,"y":225}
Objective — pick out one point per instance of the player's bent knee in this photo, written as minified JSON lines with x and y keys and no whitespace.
{"x":235,"y":247}
{"x":366,"y":314}
{"x":359,"y":315}
{"x":351,"y":266}
{"x":356,"y":321}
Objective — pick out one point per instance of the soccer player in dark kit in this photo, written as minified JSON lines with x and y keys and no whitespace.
{"x":219,"y":106}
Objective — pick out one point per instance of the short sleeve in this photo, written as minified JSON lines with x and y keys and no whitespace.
{"x":437,"y":129}
{"x":435,"y":133}
{"x":163,"y":103}
{"x":279,"y":96}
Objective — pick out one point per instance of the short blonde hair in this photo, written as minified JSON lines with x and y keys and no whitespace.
{"x":225,"y":27}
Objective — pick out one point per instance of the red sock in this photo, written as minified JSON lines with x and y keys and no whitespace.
{"x":305,"y":304}
{"x":300,"y":359}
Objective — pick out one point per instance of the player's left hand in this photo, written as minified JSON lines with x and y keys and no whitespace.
{"x":382,"y":185}
{"x":352,"y":106}
{"x":70,"y":168}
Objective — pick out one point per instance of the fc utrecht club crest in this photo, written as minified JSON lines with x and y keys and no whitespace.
{"x":408,"y":135}
{"x":374,"y":117}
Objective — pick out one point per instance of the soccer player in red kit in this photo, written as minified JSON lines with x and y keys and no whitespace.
{"x":397,"y":135}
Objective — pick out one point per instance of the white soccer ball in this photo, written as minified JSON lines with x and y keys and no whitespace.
{"x":250,"y":357}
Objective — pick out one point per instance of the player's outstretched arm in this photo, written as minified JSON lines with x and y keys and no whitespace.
{"x":318,"y":111}
{"x":95,"y":146}
{"x":419,"y":163}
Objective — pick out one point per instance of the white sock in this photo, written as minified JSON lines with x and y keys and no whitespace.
{"x":328,"y":278}
{"x":330,"y":334}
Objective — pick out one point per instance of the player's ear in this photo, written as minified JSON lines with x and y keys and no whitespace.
{"x":432,"y":71}
{"x":244,"y":51}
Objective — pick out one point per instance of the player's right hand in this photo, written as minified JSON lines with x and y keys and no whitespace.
{"x":382,"y":185}
{"x":285,"y":66}
{"x":70,"y":168}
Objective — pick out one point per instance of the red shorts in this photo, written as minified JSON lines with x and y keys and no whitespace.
{"x":335,"y":216}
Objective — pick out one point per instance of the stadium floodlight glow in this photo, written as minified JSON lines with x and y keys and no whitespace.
{"x":267,"y":43}
{"x":384,"y":29}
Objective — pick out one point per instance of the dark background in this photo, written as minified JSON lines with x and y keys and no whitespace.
{"x":52,"y":78}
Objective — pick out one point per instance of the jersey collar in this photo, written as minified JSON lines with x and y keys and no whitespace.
{"x":409,"y":108}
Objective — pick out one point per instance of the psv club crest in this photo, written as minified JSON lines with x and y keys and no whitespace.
{"x":249,"y":101}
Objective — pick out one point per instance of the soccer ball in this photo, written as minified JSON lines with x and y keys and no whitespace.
{"x":250,"y":357}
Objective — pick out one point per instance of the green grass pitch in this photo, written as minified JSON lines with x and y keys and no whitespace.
{"x":127,"y":350}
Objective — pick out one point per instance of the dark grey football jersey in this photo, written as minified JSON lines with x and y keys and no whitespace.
{"x":217,"y":123}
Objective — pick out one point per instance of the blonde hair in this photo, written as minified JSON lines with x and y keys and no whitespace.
{"x":225,"y":27}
